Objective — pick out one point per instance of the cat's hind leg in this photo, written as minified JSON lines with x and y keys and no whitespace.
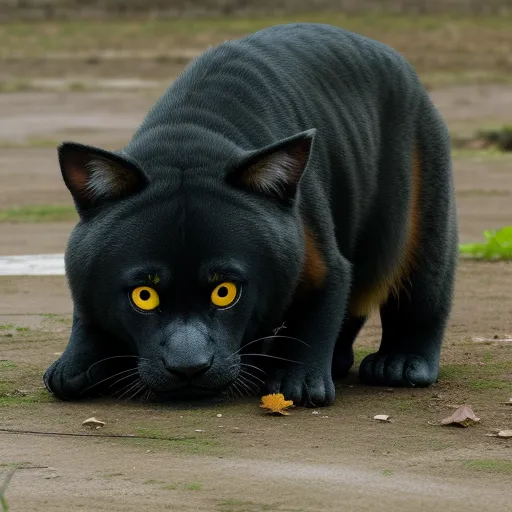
{"x":414,"y":319}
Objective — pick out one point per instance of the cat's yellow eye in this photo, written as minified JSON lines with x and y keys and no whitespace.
{"x":224,"y":294}
{"x":145,"y":298}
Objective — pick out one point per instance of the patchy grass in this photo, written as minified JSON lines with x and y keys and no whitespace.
{"x":33,"y":397}
{"x":489,"y":384}
{"x":193,"y":486}
{"x":17,"y":85}
{"x":479,"y":377}
{"x":185,"y":444}
{"x":249,"y":506}
{"x":60,"y":319}
{"x":3,"y":488}
{"x":87,"y":85}
{"x":444,"y":49}
{"x":8,"y":329}
{"x":39,"y":213}
{"x":152,"y":481}
{"x":460,"y":150}
{"x":361,"y":352}
{"x":16,"y":376}
{"x":13,"y":465}
{"x":490,"y":465}
{"x":498,"y":246}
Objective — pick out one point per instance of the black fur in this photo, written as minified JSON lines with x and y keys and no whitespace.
{"x":213,"y":182}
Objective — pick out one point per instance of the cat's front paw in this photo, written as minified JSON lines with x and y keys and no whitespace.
{"x":66,"y":382}
{"x":306,"y":387}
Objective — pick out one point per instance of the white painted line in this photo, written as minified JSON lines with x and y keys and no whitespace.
{"x":32,"y":265}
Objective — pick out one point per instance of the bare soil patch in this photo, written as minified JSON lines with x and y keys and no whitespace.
{"x":244,"y":460}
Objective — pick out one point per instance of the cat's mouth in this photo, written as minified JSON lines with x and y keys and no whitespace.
{"x":164,"y":386}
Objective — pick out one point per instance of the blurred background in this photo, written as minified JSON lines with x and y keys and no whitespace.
{"x":88,"y":70}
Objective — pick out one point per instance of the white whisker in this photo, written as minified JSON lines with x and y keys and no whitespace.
{"x":274,"y":357}
{"x":252,"y":366}
{"x":249,"y":390}
{"x":245,"y":372}
{"x":108,"y":378}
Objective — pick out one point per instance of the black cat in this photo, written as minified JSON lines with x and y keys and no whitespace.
{"x":299,"y":175}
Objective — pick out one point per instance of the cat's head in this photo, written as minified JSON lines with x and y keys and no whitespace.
{"x":182,"y":269}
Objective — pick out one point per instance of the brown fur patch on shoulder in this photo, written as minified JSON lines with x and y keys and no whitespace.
{"x":363,"y":302}
{"x":315,"y":268}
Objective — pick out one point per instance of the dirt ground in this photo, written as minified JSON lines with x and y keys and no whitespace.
{"x":186,"y":457}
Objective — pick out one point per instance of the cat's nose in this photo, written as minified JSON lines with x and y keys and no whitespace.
{"x":187,"y":372}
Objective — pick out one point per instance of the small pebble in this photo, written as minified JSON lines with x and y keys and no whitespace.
{"x":315,"y":413}
{"x":381,"y":417}
{"x":219,"y":415}
{"x":199,"y":430}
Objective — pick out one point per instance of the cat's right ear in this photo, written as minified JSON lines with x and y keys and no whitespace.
{"x":96,"y":177}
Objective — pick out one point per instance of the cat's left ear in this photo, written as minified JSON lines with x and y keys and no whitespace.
{"x":96,"y":177}
{"x":275,"y":170}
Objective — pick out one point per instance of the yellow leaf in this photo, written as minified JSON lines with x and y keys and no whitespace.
{"x":276,"y":404}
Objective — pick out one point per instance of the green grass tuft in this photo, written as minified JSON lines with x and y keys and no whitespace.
{"x":498,"y":246}
{"x":361,"y":352}
{"x":193,"y":486}
{"x":489,"y":384}
{"x":490,"y":465}
{"x":39,"y":213}
{"x":3,"y":488}
{"x":37,"y":397}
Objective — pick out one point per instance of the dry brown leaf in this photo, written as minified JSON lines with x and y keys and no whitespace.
{"x":381,"y":417}
{"x":93,"y":423}
{"x":462,"y":417}
{"x":276,"y":404}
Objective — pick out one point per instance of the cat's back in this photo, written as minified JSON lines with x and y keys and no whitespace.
{"x":278,"y":81}
{"x":297,"y":59}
